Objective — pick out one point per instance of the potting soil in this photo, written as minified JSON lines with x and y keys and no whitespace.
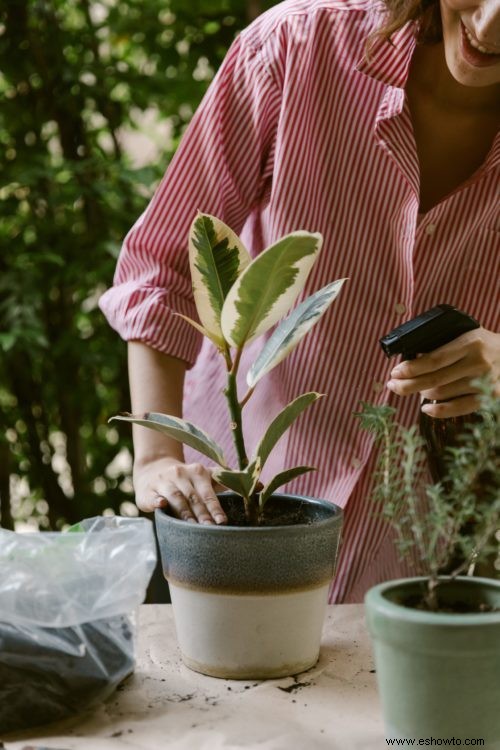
{"x":51,"y":673}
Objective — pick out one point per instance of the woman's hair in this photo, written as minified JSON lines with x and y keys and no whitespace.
{"x":425,"y":12}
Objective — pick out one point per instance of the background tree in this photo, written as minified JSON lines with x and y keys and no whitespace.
{"x":78,"y":76}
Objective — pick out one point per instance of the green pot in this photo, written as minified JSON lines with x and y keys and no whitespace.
{"x":438,"y":674}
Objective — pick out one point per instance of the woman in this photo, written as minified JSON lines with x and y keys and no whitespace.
{"x":386,"y":141}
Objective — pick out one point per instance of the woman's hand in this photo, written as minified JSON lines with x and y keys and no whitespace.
{"x":161,"y":478}
{"x":186,"y":489}
{"x":445,"y":374}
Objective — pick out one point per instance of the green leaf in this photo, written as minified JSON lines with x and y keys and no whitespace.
{"x":216,"y":258}
{"x":375,"y":418}
{"x":281,"y":423}
{"x":7,"y":341}
{"x":268,"y":288}
{"x":76,"y":527}
{"x":292,"y":330}
{"x":241,"y":482}
{"x":179,"y":429}
{"x":214,"y":339}
{"x":280,"y":479}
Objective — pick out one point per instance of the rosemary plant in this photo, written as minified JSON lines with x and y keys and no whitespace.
{"x":434,"y":521}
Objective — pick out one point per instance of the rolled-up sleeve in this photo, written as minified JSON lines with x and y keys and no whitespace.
{"x":219,"y":168}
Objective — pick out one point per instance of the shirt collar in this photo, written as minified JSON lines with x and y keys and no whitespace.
{"x":389,"y":61}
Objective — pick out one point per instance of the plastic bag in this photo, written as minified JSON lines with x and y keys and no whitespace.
{"x":66,"y":625}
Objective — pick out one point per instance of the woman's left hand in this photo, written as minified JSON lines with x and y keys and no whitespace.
{"x":445,"y":374}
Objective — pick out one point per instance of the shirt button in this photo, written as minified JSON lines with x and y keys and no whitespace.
{"x":430,"y":229}
{"x":378,"y":387}
{"x":356,"y":463}
{"x":400,"y":308}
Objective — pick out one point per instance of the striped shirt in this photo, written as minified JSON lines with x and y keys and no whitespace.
{"x":299,"y":130}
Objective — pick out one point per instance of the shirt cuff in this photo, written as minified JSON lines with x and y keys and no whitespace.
{"x":147,"y":315}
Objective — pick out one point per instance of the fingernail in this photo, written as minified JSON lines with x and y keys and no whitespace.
{"x":219,"y":518}
{"x":396,"y":371}
{"x":391,"y":385}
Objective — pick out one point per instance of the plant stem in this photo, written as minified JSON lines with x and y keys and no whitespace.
{"x":457,"y":493}
{"x":226,"y":353}
{"x":410,"y":473}
{"x":386,"y":462}
{"x":231,"y":394}
{"x":236,"y":363}
{"x":480,"y":543}
{"x":431,"y":598}
{"x":246,"y":397}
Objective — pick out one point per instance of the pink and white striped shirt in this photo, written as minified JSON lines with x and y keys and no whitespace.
{"x":299,"y":130}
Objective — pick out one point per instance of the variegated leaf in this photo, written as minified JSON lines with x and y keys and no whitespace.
{"x":292,"y":330}
{"x":216,"y":258}
{"x":214,"y":339}
{"x":281,"y":423}
{"x":179,"y":429}
{"x":268,"y":287}
{"x":242,"y":482}
{"x":281,"y":479}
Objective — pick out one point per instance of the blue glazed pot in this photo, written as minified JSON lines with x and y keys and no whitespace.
{"x":249,"y":602}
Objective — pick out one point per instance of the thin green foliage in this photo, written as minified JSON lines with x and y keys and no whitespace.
{"x":433,"y":522}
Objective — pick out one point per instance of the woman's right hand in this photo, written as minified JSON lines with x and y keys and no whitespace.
{"x":161,"y":478}
{"x":186,"y":489}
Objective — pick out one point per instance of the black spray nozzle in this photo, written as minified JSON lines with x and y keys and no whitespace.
{"x":428,"y":331}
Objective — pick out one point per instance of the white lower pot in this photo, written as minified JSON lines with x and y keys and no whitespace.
{"x":250,"y":602}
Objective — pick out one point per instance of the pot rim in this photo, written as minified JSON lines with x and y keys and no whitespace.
{"x":336,"y":517}
{"x":376,"y":600}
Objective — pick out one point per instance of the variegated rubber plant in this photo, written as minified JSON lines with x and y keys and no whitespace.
{"x":238,"y":299}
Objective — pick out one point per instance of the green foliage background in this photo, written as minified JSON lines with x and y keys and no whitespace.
{"x":75,"y":75}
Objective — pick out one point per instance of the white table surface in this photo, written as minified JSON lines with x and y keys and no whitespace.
{"x":165,"y":706}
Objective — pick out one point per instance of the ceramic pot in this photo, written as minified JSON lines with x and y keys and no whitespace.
{"x":249,"y":602}
{"x":438,"y":673}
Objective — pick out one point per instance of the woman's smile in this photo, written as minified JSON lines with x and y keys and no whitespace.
{"x":474,"y":52}
{"x":471,"y":36}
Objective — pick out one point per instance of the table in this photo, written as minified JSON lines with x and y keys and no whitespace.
{"x":165,"y":706}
